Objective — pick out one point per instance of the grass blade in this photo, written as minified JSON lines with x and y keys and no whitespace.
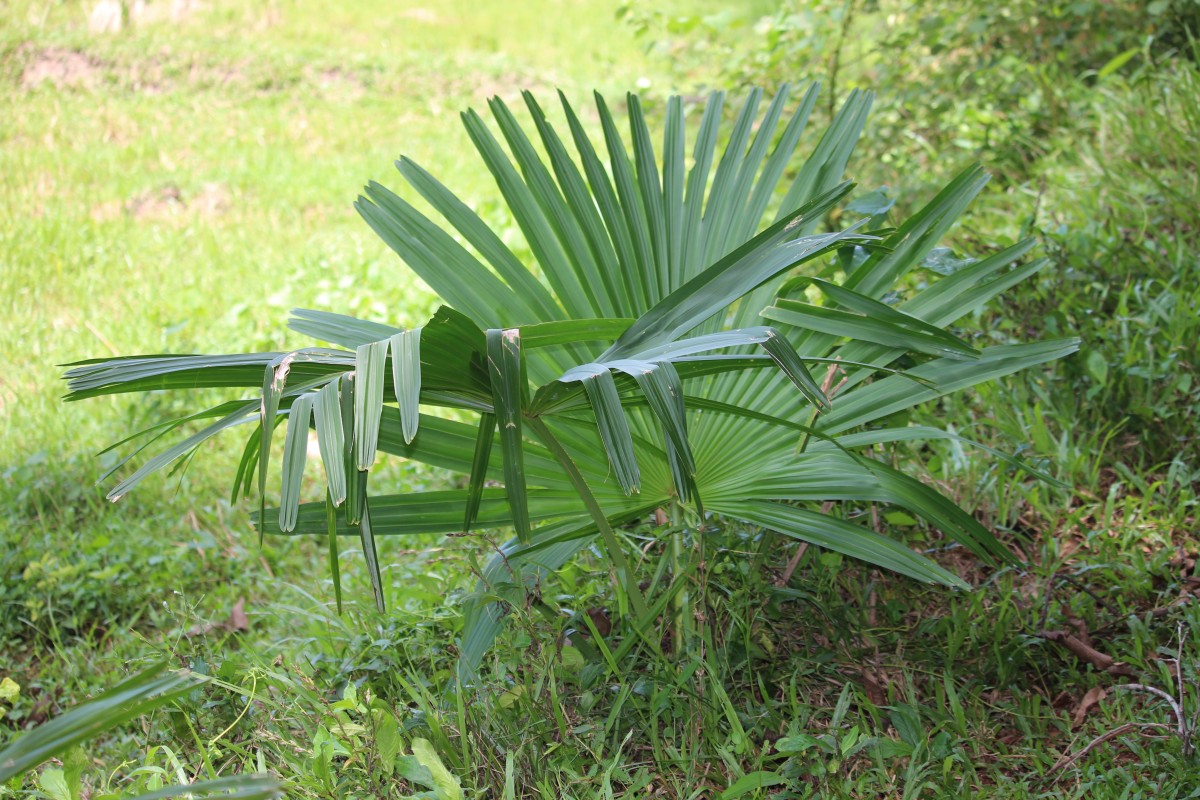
{"x":554,"y":544}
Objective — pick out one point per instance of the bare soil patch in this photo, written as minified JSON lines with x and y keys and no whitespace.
{"x":167,"y":71}
{"x":337,"y":83}
{"x":62,"y":68}
{"x":154,"y":74}
{"x":168,"y":203}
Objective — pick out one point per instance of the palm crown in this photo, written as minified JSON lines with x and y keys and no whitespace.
{"x":627,"y":368}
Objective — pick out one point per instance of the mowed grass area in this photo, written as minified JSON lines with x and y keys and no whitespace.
{"x":182,"y":184}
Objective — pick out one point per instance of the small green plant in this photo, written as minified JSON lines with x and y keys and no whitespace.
{"x":622,"y":368}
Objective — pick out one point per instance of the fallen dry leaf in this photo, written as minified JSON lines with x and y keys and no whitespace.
{"x":1093,"y":696}
{"x":873,"y":688}
{"x":601,"y":620}
{"x":238,"y":621}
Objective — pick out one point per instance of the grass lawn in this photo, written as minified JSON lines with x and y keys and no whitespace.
{"x":180,"y":185}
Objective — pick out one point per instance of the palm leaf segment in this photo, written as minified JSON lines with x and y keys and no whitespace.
{"x":629,"y":367}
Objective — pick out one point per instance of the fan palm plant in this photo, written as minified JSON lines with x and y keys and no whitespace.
{"x":627,"y":369}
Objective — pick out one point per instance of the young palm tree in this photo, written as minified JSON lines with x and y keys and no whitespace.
{"x":627,"y":369}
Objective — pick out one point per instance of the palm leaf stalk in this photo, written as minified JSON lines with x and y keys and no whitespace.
{"x":656,"y":354}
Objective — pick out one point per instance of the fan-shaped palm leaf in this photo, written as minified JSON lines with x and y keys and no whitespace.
{"x":627,"y":368}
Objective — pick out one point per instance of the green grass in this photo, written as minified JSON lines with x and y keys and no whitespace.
{"x":197,"y":163}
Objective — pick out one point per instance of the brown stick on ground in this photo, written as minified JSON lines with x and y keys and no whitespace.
{"x":1086,"y":652}
{"x":1176,"y":709}
{"x":1068,"y":760}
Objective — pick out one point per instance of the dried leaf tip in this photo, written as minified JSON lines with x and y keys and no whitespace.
{"x":281,"y":372}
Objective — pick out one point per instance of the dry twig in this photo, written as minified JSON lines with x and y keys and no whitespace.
{"x":1068,"y":760}
{"x":1182,"y":729}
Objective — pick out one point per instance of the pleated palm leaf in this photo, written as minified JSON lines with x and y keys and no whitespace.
{"x":627,"y":368}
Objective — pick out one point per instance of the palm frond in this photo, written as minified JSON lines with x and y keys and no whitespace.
{"x":627,"y":367}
